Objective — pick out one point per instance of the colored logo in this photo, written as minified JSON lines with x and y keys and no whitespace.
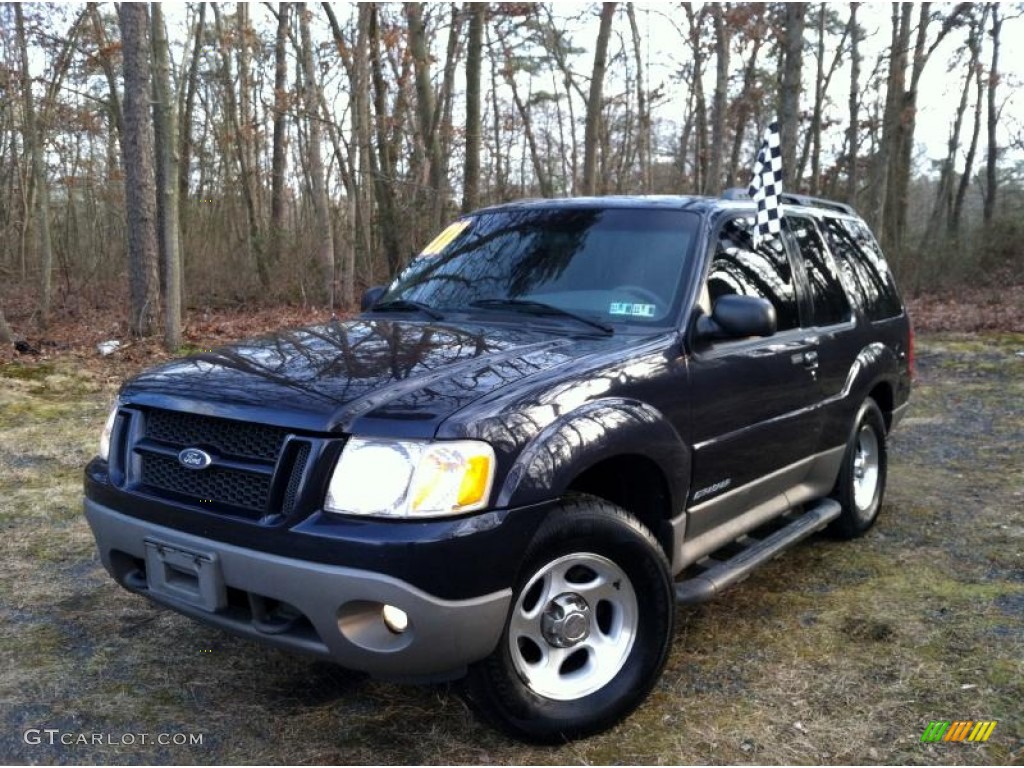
{"x":959,"y":730}
{"x":193,"y":458}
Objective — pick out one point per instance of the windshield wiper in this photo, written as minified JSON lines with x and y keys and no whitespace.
{"x":406,"y":305}
{"x":540,"y":308}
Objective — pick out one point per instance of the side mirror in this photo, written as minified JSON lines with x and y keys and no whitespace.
{"x":737,"y":317}
{"x":371,"y":296}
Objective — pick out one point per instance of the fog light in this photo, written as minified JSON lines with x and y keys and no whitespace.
{"x":395,"y":619}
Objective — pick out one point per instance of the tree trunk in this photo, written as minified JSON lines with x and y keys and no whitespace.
{"x":6,"y":337}
{"x":904,"y":120}
{"x":591,"y":133}
{"x":789,"y":104}
{"x":965,"y":179}
{"x":944,"y":193}
{"x":425,"y":105}
{"x":324,"y":236}
{"x":279,"y":161}
{"x":385,"y":189}
{"x":719,"y":103}
{"x":34,"y":148}
{"x":700,"y":112}
{"x":993,"y":119}
{"x":643,"y":116}
{"x":474,"y":67}
{"x":186,"y":111}
{"x":140,"y":193}
{"x":166,"y":134}
{"x":852,"y":130}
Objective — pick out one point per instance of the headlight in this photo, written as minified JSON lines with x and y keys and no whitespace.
{"x":107,"y":429}
{"x":398,"y":478}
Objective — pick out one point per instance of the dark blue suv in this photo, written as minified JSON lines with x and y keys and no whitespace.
{"x":559,"y":421}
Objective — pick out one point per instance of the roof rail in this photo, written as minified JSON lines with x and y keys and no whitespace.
{"x":817,"y":202}
{"x":739,"y":193}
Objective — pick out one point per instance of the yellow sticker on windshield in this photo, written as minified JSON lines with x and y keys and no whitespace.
{"x":445,"y":239}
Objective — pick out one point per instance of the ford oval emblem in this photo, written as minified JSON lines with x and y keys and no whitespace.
{"x":193,"y":458}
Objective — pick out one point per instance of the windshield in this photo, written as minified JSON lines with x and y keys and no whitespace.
{"x":611,"y":265}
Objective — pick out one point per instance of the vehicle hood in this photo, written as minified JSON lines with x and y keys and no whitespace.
{"x":370,"y":376}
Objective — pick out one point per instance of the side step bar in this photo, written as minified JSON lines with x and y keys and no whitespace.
{"x":709,"y":584}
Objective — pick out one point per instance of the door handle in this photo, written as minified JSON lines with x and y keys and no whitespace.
{"x":808,"y":359}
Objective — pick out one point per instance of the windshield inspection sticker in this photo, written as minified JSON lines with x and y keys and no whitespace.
{"x":445,"y":239}
{"x":631,"y":309}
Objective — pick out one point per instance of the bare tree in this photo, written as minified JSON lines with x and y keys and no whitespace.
{"x":643,"y":114}
{"x":718,"y":104}
{"x":140,"y":192}
{"x":166,"y":137}
{"x":789,"y":102}
{"x":594,"y":105}
{"x":279,"y":162}
{"x":33,"y":140}
{"x":324,"y":235}
{"x":993,"y":118}
{"x":237,"y":109}
{"x":853,"y":129}
{"x":474,"y":69}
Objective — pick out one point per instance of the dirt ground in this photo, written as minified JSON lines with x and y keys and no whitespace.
{"x":833,"y":653}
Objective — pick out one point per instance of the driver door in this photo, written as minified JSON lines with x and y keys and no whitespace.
{"x":753,"y":418}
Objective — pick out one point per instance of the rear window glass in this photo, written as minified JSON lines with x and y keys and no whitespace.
{"x":831,"y":306}
{"x":863,"y":267}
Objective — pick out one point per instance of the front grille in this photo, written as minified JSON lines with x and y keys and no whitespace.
{"x":256,"y":472}
{"x":226,"y":437}
{"x":214,"y":485}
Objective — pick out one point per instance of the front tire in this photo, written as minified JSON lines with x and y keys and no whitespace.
{"x":588,"y":631}
{"x":861,"y":484}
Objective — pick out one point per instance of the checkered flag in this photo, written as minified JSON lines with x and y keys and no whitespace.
{"x":766,"y":186}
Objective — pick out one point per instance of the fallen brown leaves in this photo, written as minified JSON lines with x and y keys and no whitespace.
{"x":76,"y":335}
{"x":970,"y":309}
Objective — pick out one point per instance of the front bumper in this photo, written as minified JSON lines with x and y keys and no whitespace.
{"x":331,"y":611}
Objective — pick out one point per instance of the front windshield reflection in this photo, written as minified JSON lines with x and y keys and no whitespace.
{"x":618,"y":264}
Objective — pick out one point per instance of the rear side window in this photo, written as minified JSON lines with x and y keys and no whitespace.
{"x":831,"y":306}
{"x":738,"y":268}
{"x":863,"y":266}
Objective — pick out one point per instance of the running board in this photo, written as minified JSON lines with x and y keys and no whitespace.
{"x":711,"y":582}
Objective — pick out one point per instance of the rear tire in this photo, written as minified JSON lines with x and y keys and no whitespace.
{"x":588,"y":631}
{"x":861,"y":484}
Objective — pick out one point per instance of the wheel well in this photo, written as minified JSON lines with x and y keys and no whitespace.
{"x":882,"y":394}
{"x":636,"y":484}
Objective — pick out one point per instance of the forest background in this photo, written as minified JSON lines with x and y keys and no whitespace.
{"x":164,"y":162}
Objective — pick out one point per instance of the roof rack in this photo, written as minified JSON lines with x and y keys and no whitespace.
{"x":738,"y":193}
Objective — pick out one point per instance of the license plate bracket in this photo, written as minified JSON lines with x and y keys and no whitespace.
{"x":185,"y":575}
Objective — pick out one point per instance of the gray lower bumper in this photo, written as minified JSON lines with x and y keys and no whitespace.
{"x":342,"y":605}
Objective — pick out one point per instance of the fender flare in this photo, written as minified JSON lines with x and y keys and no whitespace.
{"x":875,"y":364}
{"x":595,"y":431}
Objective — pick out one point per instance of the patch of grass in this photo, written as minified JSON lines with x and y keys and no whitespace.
{"x":26,"y":371}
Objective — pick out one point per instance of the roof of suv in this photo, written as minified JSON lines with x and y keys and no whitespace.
{"x":697,"y":204}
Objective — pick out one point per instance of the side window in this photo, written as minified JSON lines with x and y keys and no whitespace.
{"x":863,"y":266}
{"x":737,"y":268}
{"x":831,"y":306}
